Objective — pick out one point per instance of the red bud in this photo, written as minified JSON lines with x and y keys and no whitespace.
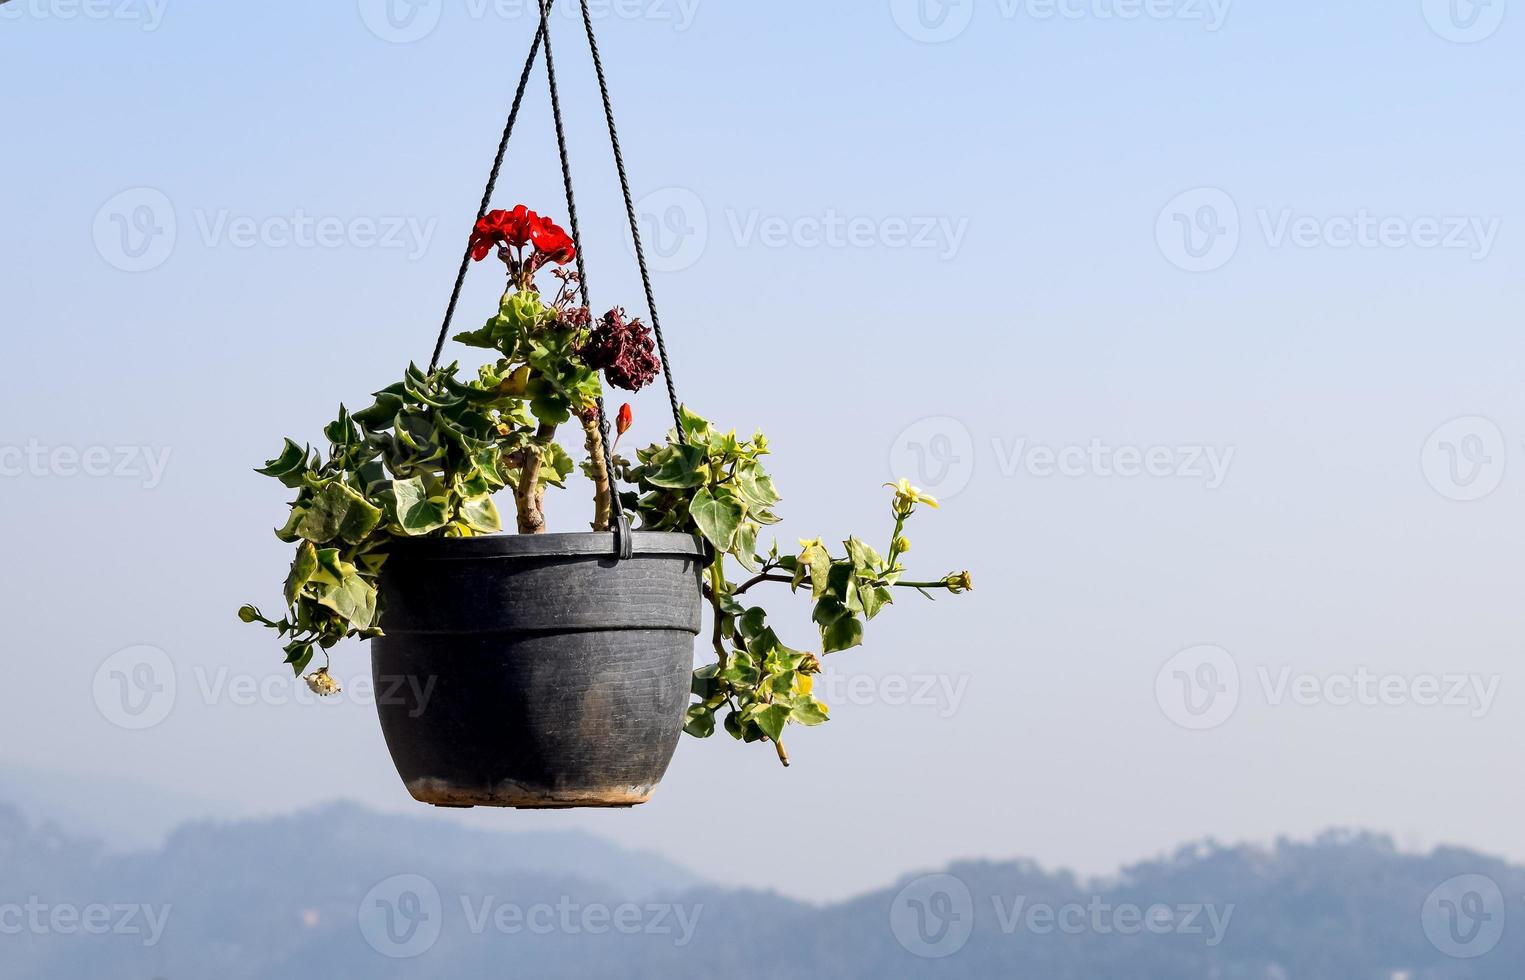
{"x":625,"y":421}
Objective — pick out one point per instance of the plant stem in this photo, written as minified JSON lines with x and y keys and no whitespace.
{"x":717,"y":589}
{"x":603,"y":494}
{"x":759,"y":579}
{"x":530,"y":494}
{"x":899,"y":529}
{"x":764,"y":577}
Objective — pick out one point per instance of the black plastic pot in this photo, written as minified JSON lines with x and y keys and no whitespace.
{"x":536,"y":670}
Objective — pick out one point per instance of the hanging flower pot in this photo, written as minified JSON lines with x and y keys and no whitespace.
{"x":536,"y":671}
{"x":557,"y":670}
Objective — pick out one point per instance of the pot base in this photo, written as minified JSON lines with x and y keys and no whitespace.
{"x":438,"y":792}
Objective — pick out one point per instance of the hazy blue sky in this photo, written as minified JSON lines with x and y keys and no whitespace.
{"x":1260,"y":255}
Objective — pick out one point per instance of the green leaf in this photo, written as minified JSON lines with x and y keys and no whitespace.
{"x":828,"y":610}
{"x":718,"y":515}
{"x":481,"y":514}
{"x":741,"y":672}
{"x":819,"y":563}
{"x":339,"y":512}
{"x":558,"y":465}
{"x":746,"y":546}
{"x":473,"y":485}
{"x":764,"y":644}
{"x":380,"y":415}
{"x":417,"y":512}
{"x":372,"y":476}
{"x":302,"y":571}
{"x":700,"y":722}
{"x":782,"y":660}
{"x":479,"y":338}
{"x":730,"y":606}
{"x":809,"y":712}
{"x":416,"y":431}
{"x":551,"y":408}
{"x":299,"y":655}
{"x":289,"y":533}
{"x":752,"y":622}
{"x":342,"y":431}
{"x":770,"y":718}
{"x":844,"y":634}
{"x":677,"y":468}
{"x":872,"y":598}
{"x":697,"y":427}
{"x":757,"y":487}
{"x":839,"y":581}
{"x":341,"y":589}
{"x":290,"y":467}
{"x":864,"y":558}
{"x":706,"y":682}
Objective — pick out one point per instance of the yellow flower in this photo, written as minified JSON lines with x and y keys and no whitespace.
{"x":959,"y":582}
{"x":907,"y":496}
{"x":323,"y":683}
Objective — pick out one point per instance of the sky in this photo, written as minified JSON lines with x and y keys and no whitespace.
{"x":1196,"y":315}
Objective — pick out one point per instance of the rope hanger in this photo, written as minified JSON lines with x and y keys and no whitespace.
{"x":543,"y":38}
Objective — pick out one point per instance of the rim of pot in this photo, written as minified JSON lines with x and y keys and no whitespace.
{"x":561,"y":544}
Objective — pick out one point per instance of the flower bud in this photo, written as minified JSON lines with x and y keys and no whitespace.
{"x":959,"y":582}
{"x":625,"y":420}
{"x":901,"y":546}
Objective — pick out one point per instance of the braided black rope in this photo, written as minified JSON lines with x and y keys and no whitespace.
{"x":492,"y":184}
{"x":635,"y":225}
{"x":621,"y":523}
{"x":617,"y":511}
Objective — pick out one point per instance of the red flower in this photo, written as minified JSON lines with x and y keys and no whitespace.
{"x":550,"y":240}
{"x":516,"y":229}
{"x":625,"y":421}
{"x":502,"y":228}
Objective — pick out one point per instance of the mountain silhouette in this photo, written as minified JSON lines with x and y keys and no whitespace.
{"x":343,"y":891}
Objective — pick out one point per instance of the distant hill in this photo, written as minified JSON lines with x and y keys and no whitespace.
{"x":135,"y":820}
{"x":343,"y":892}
